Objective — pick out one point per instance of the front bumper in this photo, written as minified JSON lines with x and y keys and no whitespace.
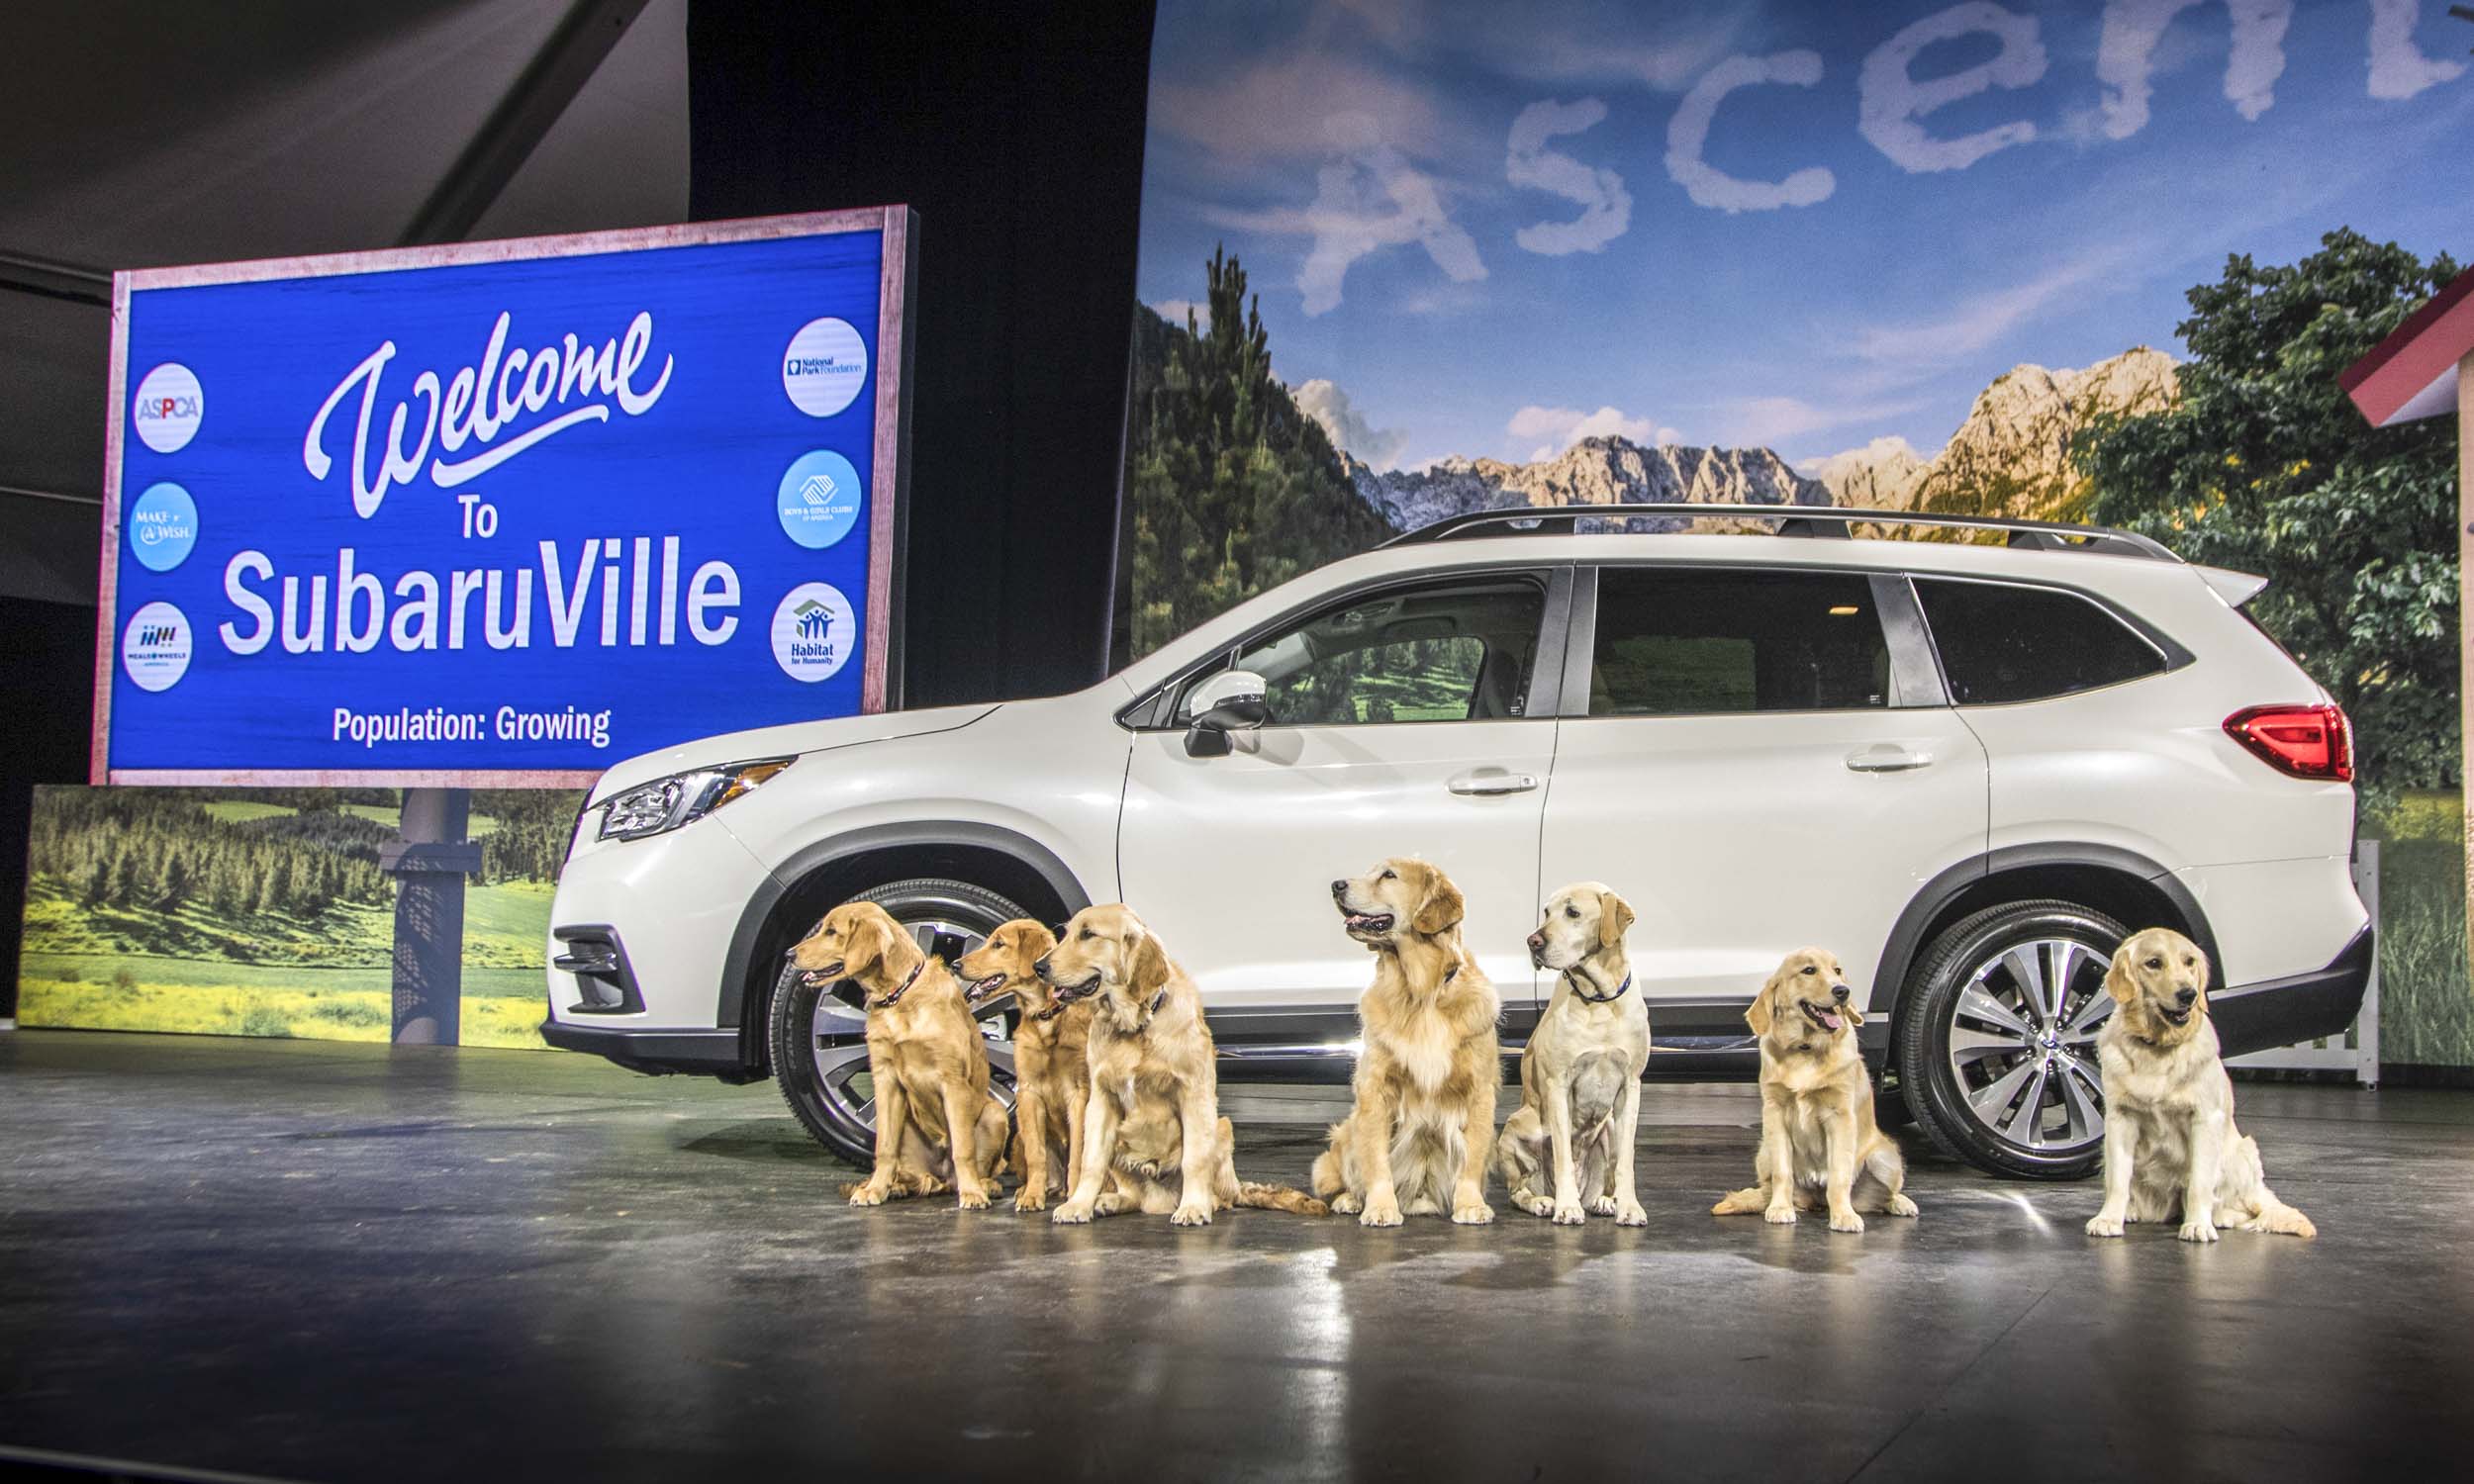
{"x":2302,"y":1007}
{"x":656,"y":1053}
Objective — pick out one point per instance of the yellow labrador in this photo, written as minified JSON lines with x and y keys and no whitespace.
{"x":935,"y":1119}
{"x":1580,"y":1073}
{"x":2170,"y":1144}
{"x":1155,"y":1103}
{"x":1417,"y":1138}
{"x":1818,"y":1132}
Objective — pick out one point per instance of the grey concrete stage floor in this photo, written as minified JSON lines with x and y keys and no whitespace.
{"x":323,"y":1262}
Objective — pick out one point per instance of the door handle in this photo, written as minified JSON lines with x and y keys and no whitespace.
{"x":1489,"y":780}
{"x":1887,"y":758}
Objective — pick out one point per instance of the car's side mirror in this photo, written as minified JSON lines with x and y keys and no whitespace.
{"x":1231,"y":701}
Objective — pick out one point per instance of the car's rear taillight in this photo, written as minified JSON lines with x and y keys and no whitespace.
{"x":2312,"y":742}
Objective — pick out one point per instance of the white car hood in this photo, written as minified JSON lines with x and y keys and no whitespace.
{"x":783,"y":741}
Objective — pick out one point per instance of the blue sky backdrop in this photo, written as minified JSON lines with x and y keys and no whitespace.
{"x":1494,"y":228}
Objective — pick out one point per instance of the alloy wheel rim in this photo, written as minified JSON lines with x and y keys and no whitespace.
{"x":2023,"y":1045}
{"x":842,"y":1068}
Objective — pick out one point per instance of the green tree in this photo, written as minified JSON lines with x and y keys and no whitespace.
{"x":98,"y":882}
{"x":1233,"y":487}
{"x":2265,"y":466}
{"x":172,"y":888}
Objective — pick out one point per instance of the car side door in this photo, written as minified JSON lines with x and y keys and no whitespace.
{"x":1409,"y":718}
{"x":1757,"y":759}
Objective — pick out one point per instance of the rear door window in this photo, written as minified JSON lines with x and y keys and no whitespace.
{"x":2000,"y":642}
{"x":1679,"y":641}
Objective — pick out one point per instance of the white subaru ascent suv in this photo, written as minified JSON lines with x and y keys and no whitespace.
{"x":1967,"y":769}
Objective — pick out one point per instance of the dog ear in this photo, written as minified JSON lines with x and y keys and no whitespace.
{"x":1853,"y":1015}
{"x":2118,"y":980}
{"x":1614,"y":919}
{"x":1441,"y":907}
{"x":1756,"y":1015}
{"x":864,"y":945}
{"x":1151,"y":969}
{"x":1031,"y":942}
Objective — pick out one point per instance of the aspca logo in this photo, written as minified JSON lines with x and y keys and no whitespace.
{"x":154,"y":647}
{"x":813,"y":632}
{"x":169,"y":408}
{"x":824,"y":366}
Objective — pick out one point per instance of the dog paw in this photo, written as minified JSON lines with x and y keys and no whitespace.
{"x":1072,"y":1213}
{"x":1846,"y":1221}
{"x":972,"y":1200}
{"x":1601,"y":1205}
{"x":1474,"y":1214}
{"x":2198,"y":1230}
{"x":1570,"y":1214}
{"x":871,"y":1195}
{"x":1900,"y":1205}
{"x":1346,"y":1203}
{"x":1630,"y":1214}
{"x":1381,"y":1213}
{"x":2101,"y":1225}
{"x":1191,"y":1216}
{"x":1532,"y":1202}
{"x":1779,"y":1216}
{"x":1030,"y":1198}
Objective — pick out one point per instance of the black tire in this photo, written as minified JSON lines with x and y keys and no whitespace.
{"x":827,"y":1088}
{"x":2019,"y":991}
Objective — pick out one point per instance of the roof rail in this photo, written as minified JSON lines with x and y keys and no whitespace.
{"x":1808,"y":520}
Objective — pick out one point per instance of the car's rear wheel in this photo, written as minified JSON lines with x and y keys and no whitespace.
{"x":1996,"y":1039}
{"x":820,"y":1050}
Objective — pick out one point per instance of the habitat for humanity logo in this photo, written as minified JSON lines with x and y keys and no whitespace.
{"x":154,"y":647}
{"x":169,"y":408}
{"x":823,"y":367}
{"x":818,"y":499}
{"x":813,"y":631}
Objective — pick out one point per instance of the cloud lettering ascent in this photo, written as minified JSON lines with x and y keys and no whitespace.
{"x":1371,"y":197}
{"x":1606,"y":207}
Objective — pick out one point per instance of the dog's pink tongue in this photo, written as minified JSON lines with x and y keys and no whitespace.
{"x":1829,"y":1019}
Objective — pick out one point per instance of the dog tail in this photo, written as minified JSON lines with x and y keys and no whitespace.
{"x":1751,"y":1198}
{"x":1278,"y":1198}
{"x":2283,"y":1219}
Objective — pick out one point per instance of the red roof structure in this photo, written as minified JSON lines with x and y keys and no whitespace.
{"x":2412,"y":373}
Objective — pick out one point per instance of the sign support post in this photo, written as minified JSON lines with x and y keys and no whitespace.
{"x":430,"y":863}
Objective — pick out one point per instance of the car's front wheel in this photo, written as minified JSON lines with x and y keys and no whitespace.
{"x":1996,"y":1039}
{"x":820,"y":1056}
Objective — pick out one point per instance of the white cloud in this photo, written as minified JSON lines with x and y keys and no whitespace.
{"x":1175,"y":312}
{"x":1283,"y":109}
{"x":2399,"y":69}
{"x":2126,"y":52}
{"x":1883,"y":450}
{"x":1562,"y":427}
{"x":1891,"y":99}
{"x":1687,"y":133}
{"x":1981,"y":320}
{"x":1606,"y":207}
{"x":1366,"y":197}
{"x":1763,"y":421}
{"x":1348,"y":427}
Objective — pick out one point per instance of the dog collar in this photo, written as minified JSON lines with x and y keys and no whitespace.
{"x":1051,"y":1014}
{"x":886,"y":1002}
{"x":1595,"y":999}
{"x":1158,"y":1000}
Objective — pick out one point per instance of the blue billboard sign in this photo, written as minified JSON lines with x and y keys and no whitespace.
{"x":502,"y":513}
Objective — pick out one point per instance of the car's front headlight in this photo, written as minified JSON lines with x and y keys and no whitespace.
{"x":681,"y":798}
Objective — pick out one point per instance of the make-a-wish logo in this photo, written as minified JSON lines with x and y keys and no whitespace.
{"x":812,"y":631}
{"x":480,"y":401}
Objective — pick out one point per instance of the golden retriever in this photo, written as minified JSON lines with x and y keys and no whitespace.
{"x":2170,"y":1144}
{"x":1580,"y":1073}
{"x":1417,"y":1138}
{"x":936,"y":1122}
{"x":1817,"y":1125}
{"x":1154,"y":1116}
{"x":1051,"y":1057}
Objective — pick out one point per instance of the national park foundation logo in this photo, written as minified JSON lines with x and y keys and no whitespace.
{"x":813,"y":631}
{"x":824,"y":367}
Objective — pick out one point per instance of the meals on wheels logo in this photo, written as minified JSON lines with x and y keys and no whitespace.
{"x":812,"y":631}
{"x":169,"y":408}
{"x":823,"y":367}
{"x":154,"y":647}
{"x":818,"y":499}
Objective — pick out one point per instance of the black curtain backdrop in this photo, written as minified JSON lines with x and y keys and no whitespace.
{"x":1016,"y":132}
{"x":46,"y":714}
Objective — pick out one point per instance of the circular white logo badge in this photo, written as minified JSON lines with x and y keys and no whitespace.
{"x":818,"y":499}
{"x":169,"y":408}
{"x":813,"y":632}
{"x":154,"y":647}
{"x":823,"y":367}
